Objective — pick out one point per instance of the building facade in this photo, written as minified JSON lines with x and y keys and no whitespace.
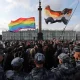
{"x":32,"y":35}
{"x":78,"y":35}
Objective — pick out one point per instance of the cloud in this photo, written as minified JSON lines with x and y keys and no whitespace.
{"x":54,"y":4}
{"x":21,"y":3}
{"x":74,"y":2}
{"x":77,"y":27}
{"x":4,"y":25}
{"x":27,"y":4}
{"x":9,"y":1}
{"x":9,"y":5}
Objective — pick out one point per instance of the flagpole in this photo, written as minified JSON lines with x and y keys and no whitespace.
{"x":69,"y":20}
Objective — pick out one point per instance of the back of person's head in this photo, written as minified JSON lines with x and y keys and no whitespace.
{"x":39,"y":58}
{"x":77,"y":48}
{"x":9,"y":74}
{"x":64,"y":58}
{"x":77,"y":52}
{"x":17,"y":63}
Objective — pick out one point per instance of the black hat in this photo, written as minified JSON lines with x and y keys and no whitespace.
{"x":64,"y":57}
{"x":39,"y":58}
{"x":17,"y":61}
{"x":77,"y":49}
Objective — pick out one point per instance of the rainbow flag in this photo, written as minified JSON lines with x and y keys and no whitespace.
{"x":22,"y":23}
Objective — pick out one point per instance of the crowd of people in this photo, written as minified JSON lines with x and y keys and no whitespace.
{"x":40,"y":60}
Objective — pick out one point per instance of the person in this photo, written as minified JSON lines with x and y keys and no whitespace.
{"x":39,"y":72}
{"x":2,"y":74}
{"x":17,"y":73}
{"x":77,"y":59}
{"x":77,"y":55}
{"x":65,"y":70}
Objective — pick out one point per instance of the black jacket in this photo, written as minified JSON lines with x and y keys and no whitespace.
{"x":40,"y":74}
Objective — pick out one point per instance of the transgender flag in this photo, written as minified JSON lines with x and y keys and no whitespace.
{"x":22,"y":23}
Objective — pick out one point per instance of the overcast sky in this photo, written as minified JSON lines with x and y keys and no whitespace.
{"x":14,"y":9}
